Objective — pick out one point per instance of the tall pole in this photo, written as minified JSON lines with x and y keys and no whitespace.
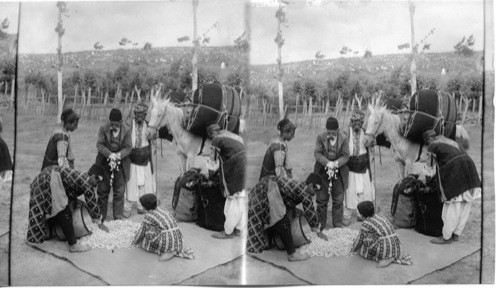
{"x":196,"y":44}
{"x":413,"y":66}
{"x":279,"y":41}
{"x":60,"y":32}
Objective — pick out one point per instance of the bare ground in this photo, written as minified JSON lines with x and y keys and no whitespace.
{"x":33,"y":134}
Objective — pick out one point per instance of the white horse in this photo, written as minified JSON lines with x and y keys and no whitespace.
{"x":381,"y":120}
{"x":187,"y":145}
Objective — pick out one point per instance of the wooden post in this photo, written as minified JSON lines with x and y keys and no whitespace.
{"x":464,"y":115}
{"x":480,"y":110}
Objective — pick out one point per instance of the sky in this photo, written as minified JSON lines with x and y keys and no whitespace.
{"x":379,"y":26}
{"x":159,"y":23}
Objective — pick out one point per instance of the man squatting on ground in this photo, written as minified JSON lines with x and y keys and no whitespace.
{"x":114,"y":144}
{"x":331,"y":153}
{"x":360,"y":187}
{"x":268,"y":202}
{"x":52,"y":193}
{"x":141,"y":169}
{"x":59,"y":150}
{"x":458,"y":180}
{"x":231,"y":152}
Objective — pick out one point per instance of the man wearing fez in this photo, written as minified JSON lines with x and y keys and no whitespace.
{"x":114,"y":144}
{"x":360,"y":184}
{"x":141,"y":170}
{"x":331,"y":153}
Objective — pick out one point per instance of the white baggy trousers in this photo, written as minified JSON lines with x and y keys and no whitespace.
{"x":235,"y":212}
{"x":456,"y":212}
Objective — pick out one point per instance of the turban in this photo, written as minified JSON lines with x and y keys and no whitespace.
{"x":285,"y":125}
{"x":357,"y":115}
{"x":69,"y":116}
{"x":332,"y":124}
{"x":366,"y":209}
{"x":115,"y":115}
{"x":314,"y":178}
{"x":141,"y":108}
{"x":96,"y":170}
{"x":148,"y":201}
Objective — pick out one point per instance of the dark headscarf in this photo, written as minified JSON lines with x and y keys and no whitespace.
{"x":148,"y":201}
{"x":69,"y":116}
{"x":314,"y":178}
{"x":96,"y":170}
{"x":286,"y":125}
{"x":366,"y":209}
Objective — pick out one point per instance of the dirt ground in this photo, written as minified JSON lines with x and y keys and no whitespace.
{"x":33,"y":134}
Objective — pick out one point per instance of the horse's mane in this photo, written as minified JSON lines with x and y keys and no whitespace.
{"x":380,"y":109}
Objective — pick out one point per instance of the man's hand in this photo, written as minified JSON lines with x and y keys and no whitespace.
{"x":112,"y":157}
{"x":332,"y":165}
{"x":103,"y":227}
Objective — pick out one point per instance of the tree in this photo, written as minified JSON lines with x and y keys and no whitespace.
{"x":124,"y":41}
{"x":464,"y":47}
{"x":61,"y":6}
{"x":5,"y":25}
{"x":148,"y":46}
{"x":98,"y":46}
{"x":242,"y":43}
{"x":368,"y":54}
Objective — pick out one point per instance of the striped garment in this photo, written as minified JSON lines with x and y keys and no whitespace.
{"x":159,"y":233}
{"x":377,"y":240}
{"x":75,"y":184}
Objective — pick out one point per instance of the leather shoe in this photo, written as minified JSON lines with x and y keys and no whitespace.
{"x":222,"y":235}
{"x":441,"y":240}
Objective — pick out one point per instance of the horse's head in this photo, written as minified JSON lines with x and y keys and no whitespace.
{"x":372,"y":125}
{"x":156,"y":116}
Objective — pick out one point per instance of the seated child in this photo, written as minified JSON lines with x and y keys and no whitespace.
{"x":377,"y":239}
{"x":159,"y":232}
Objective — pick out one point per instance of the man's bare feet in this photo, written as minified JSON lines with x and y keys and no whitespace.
{"x":77,"y":247}
{"x":385,"y":262}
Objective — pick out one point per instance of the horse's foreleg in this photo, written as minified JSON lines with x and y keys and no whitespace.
{"x":408,"y":167}
{"x":182,"y":164}
{"x":401,"y":169}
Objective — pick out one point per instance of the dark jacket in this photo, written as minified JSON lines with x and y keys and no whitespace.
{"x":103,"y":144}
{"x":341,"y":154}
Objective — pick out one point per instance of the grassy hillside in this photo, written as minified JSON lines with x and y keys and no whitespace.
{"x":109,"y":60}
{"x":430,"y":64}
